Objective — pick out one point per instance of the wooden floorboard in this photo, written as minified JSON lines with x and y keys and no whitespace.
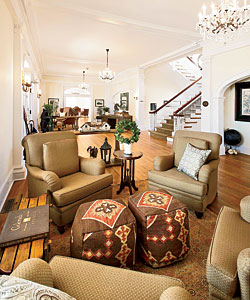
{"x":233,"y":177}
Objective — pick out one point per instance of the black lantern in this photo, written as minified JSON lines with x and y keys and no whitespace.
{"x":106,"y":151}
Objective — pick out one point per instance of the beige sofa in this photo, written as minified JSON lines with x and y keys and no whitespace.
{"x":91,"y":281}
{"x":228,"y":262}
{"x":53,"y":166}
{"x":195,"y":194}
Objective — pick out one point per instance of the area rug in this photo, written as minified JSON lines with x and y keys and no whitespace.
{"x":191,"y":271}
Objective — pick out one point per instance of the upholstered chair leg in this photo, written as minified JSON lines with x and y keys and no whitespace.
{"x":199,"y":215}
{"x":61,"y":229}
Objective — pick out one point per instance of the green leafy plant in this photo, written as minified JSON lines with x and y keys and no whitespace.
{"x":49,"y":108}
{"x":127,"y":125}
{"x":106,"y":109}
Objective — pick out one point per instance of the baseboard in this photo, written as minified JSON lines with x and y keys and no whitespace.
{"x":5,"y":188}
{"x":19,"y":173}
{"x":243,"y":149}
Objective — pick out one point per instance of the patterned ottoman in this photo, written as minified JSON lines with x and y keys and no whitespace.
{"x":104,"y":231}
{"x":163,"y":227}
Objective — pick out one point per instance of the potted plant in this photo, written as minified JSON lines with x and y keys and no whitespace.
{"x":50,"y":109}
{"x":106,"y":110}
{"x":127,"y":141}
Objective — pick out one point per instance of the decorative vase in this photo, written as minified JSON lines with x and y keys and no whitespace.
{"x":127,"y":148}
{"x":106,"y":113}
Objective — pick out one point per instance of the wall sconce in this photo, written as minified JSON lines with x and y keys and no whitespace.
{"x":26,"y":82}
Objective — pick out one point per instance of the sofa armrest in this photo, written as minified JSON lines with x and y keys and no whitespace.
{"x":243,"y":267}
{"x":207,"y":169}
{"x":175,"y":292}
{"x":36,"y":270}
{"x":164,"y":162}
{"x":53,"y":181}
{"x":92,"y":166}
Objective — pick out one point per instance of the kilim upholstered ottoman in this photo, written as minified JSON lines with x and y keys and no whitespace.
{"x":163,"y":227}
{"x":104,"y":231}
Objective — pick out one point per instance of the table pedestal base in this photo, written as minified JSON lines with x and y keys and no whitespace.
{"x":128,"y":176}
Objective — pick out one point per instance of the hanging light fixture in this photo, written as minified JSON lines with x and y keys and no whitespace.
{"x":83,"y":85}
{"x":224,"y":20}
{"x":107,"y":74}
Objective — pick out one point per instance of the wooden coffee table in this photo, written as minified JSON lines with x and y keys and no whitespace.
{"x":12,"y":256}
{"x":127,"y":169}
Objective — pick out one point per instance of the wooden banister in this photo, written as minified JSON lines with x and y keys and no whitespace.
{"x":197,"y":65}
{"x":177,"y":95}
{"x":186,"y":104}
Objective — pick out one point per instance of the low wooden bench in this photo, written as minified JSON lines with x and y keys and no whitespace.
{"x":11,"y":257}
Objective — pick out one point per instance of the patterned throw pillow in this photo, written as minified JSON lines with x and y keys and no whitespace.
{"x":192,"y":160}
{"x":17,"y":288}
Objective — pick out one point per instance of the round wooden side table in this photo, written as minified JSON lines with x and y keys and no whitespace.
{"x":127,"y":169}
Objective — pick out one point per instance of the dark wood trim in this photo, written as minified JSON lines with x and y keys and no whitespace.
{"x":177,"y":95}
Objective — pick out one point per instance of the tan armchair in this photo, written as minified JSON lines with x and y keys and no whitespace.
{"x":53,"y":166}
{"x":228,"y":262}
{"x":196,"y":194}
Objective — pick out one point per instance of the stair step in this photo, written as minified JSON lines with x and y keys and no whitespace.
{"x":169,"y":126}
{"x":195,"y":118}
{"x":158,"y":135}
{"x":190,"y":122}
{"x":198,"y":114}
{"x":187,"y":126}
{"x":169,"y":121}
{"x":164,"y":131}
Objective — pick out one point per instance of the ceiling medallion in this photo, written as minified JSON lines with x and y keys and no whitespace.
{"x":107,"y":74}
{"x":224,"y":21}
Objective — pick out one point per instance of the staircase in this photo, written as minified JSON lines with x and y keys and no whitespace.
{"x":185,"y":106}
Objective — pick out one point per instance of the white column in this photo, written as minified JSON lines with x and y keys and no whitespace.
{"x":140,"y":102}
{"x":206,"y":112}
{"x":218,"y":119}
{"x":18,"y":169}
{"x":108,"y":100}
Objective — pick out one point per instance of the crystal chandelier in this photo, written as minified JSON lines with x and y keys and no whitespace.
{"x":224,"y":21}
{"x":107,"y":74}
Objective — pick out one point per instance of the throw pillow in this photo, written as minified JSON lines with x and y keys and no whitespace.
{"x":62,"y":114}
{"x":192,"y":160}
{"x":17,"y":288}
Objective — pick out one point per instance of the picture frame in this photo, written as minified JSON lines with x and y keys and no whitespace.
{"x":124,"y":100}
{"x":99,"y":102}
{"x":242,"y":101}
{"x":153,"y":106}
{"x":55,"y":103}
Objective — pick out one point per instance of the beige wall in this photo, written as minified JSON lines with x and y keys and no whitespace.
{"x":161,"y":83}
{"x":6,"y":97}
{"x":229,"y":121}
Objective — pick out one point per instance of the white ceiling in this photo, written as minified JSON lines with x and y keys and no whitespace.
{"x":71,"y":35}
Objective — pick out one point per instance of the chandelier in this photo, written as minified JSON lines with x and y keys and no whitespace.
{"x":107,"y":74}
{"x":224,"y":20}
{"x":83,"y":85}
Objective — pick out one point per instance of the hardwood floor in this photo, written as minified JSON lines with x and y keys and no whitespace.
{"x":234,"y":171}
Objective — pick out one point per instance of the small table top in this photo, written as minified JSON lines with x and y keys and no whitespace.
{"x":120,"y":154}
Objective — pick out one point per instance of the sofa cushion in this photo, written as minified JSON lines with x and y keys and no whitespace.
{"x":17,"y":288}
{"x":192,"y":160}
{"x":231,"y":235}
{"x":181,"y":144}
{"x":78,"y":186}
{"x":88,"y":280}
{"x":178,"y":181}
{"x":61,"y":157}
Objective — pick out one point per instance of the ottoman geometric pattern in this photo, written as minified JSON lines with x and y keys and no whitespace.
{"x":103,"y":231}
{"x":163,"y":227}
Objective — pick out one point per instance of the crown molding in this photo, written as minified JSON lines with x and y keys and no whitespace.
{"x":173,"y":55}
{"x":118,"y":20}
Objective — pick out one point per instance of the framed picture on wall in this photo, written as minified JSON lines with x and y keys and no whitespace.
{"x":99,"y":102}
{"x":124,"y":101}
{"x":54,"y":102}
{"x":242,"y":101}
{"x":153,"y":106}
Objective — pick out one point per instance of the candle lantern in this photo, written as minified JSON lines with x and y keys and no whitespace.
{"x":106,"y":151}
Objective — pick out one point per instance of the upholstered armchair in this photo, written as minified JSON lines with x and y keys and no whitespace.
{"x":228,"y":262}
{"x":196,"y":194}
{"x":54,"y":167}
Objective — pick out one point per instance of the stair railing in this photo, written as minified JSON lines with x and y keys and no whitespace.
{"x":179,"y":117}
{"x":153,"y":114}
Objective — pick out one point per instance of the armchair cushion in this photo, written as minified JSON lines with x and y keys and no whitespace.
{"x":173,"y":179}
{"x":243,"y":265}
{"x":17,"y":288}
{"x":180,"y":145}
{"x":78,"y":186}
{"x":163,"y":163}
{"x":92,"y":166}
{"x":61,"y":157}
{"x":245,"y":208}
{"x":50,"y":178}
{"x":176,"y":293}
{"x":192,"y":160}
